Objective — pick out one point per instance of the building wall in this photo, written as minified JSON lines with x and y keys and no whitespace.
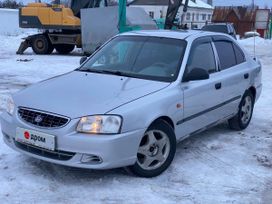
{"x":195,"y":17}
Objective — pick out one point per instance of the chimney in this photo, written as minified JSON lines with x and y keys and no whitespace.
{"x":210,"y":2}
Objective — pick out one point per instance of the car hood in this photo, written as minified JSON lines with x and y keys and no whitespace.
{"x":78,"y":94}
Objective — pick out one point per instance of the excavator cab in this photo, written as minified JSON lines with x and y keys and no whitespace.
{"x":55,"y":14}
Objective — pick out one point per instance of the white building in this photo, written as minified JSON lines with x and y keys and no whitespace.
{"x":198,"y":13}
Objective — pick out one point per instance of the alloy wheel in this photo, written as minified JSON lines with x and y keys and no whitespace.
{"x":154,"y":150}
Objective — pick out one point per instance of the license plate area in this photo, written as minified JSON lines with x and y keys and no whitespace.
{"x":35,"y":138}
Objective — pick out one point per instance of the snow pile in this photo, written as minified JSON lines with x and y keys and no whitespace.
{"x":258,"y":40}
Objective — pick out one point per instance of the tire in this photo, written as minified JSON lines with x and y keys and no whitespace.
{"x":156,"y":150}
{"x":64,"y":48}
{"x":242,"y":119}
{"x":41,"y":45}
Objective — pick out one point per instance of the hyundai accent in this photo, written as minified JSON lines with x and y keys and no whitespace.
{"x":131,"y":101}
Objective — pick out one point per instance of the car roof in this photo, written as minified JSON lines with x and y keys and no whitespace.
{"x":175,"y":34}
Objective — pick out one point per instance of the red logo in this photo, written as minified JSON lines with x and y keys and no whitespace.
{"x":27,"y":135}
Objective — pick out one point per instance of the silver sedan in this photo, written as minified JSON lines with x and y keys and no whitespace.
{"x":131,"y":101}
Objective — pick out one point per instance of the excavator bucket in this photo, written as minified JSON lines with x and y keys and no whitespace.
{"x":23,"y":46}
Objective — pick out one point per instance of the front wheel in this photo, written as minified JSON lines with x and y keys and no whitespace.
{"x":41,"y":45}
{"x":156,"y":151}
{"x":244,"y":115}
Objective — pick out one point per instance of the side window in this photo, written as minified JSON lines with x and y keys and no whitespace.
{"x":226,"y":54}
{"x":202,"y":56}
{"x":240,"y":57}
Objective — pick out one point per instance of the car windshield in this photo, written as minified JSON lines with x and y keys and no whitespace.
{"x":153,"y":58}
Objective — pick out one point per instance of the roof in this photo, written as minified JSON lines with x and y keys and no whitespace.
{"x":242,"y":13}
{"x":171,"y":33}
{"x":192,"y":4}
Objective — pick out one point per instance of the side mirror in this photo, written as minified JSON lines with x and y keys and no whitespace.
{"x":83,"y":59}
{"x":196,"y":74}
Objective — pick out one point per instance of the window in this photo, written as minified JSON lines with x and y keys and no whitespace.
{"x":151,"y":14}
{"x":161,"y":14}
{"x":240,"y":57}
{"x":197,"y":16}
{"x":188,"y":16}
{"x":202,"y":56}
{"x":209,"y":17}
{"x":204,"y":16}
{"x":226,"y":54}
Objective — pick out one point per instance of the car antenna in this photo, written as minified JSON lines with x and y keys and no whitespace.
{"x":254,"y":44}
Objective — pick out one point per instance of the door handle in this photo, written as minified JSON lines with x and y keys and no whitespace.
{"x":246,"y":76}
{"x":218,"y":86}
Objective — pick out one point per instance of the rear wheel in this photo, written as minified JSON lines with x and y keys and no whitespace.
{"x":41,"y":45}
{"x":156,"y":151}
{"x":64,"y":48}
{"x":243,"y":117}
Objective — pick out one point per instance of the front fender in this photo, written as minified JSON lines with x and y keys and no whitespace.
{"x":142,"y":112}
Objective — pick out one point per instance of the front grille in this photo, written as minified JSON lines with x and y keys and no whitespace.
{"x":57,"y":155}
{"x":42,"y":119}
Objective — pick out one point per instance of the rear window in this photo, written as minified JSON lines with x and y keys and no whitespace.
{"x":226,"y":54}
{"x":240,"y":57}
{"x":216,"y":28}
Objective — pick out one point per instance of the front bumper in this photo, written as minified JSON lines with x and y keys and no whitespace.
{"x":109,"y":151}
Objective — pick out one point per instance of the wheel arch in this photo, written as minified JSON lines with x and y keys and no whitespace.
{"x":167,"y":119}
{"x":252,"y":89}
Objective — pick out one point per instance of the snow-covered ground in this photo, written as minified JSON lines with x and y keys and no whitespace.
{"x":217,"y":166}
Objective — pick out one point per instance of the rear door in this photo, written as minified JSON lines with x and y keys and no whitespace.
{"x":202,"y":97}
{"x":234,"y":72}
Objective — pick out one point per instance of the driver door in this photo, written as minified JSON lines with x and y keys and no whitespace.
{"x":201,"y":97}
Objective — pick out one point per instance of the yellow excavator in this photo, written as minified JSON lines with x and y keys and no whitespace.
{"x":58,"y":22}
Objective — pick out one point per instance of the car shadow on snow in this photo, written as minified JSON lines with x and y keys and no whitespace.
{"x":72,"y":174}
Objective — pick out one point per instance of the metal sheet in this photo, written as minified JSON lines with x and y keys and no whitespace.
{"x":100,"y":24}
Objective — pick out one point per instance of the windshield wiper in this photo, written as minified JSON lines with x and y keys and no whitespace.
{"x":113,"y":72}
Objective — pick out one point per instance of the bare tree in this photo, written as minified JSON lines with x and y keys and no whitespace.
{"x":12,"y":4}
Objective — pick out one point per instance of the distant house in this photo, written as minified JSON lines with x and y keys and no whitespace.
{"x":198,"y":13}
{"x":243,"y":18}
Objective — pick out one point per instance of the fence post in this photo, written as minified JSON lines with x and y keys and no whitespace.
{"x":270,"y":28}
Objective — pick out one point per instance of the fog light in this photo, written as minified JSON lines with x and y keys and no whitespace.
{"x":90,"y":159}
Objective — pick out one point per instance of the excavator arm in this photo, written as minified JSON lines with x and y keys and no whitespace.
{"x":173,"y":7}
{"x":76,"y":5}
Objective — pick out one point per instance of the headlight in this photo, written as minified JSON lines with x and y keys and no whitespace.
{"x":9,"y":105}
{"x":100,"y":124}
